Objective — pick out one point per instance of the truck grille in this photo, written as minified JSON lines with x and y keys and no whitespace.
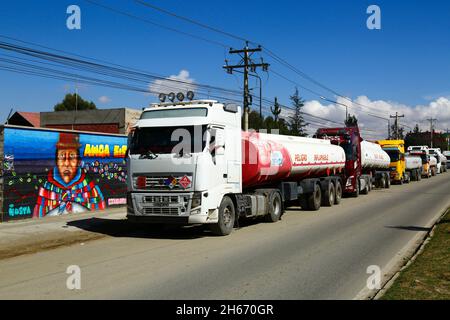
{"x":163,"y":205}
{"x":170,"y":211}
{"x":161,"y":199}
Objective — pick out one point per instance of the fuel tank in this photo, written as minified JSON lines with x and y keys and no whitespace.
{"x":413,"y":162}
{"x":269,"y":158}
{"x":373,"y":156}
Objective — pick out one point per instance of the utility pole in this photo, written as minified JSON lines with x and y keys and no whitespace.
{"x":246,"y":63}
{"x":431,"y":129}
{"x":396,"y":124}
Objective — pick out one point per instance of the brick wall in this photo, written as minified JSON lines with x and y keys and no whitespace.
{"x":104,"y":127}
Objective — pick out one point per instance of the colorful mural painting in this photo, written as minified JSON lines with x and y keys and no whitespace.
{"x":50,"y":173}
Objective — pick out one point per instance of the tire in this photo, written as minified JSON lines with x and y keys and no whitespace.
{"x":433,"y":172}
{"x":315,"y":198}
{"x":388,"y":182}
{"x":358,"y":185}
{"x":383,"y":182}
{"x":328,"y":197}
{"x":338,"y":197}
{"x":227,"y":216}
{"x":275,"y":207}
{"x":303,"y":202}
{"x":366,"y":189}
{"x":419,"y":175}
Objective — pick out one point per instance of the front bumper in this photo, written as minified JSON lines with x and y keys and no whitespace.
{"x":168,"y":208}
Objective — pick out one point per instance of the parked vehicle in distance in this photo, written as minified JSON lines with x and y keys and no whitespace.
{"x":186,"y":166}
{"x":428,"y":162}
{"x":413,"y":166}
{"x":441,"y":159}
{"x":396,"y":151}
{"x":447,"y":155}
{"x":366,"y":163}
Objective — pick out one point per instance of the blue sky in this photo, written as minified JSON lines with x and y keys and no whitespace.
{"x":406,"y":63}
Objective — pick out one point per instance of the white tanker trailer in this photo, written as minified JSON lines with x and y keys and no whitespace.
{"x":220,"y":180}
{"x":374,"y":167}
{"x":413,"y":165}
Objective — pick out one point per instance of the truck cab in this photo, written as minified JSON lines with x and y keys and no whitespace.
{"x":349,"y":139}
{"x":182,"y":160}
{"x":396,"y":151}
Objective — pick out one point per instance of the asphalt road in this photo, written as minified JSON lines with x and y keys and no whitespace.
{"x":307,"y":255}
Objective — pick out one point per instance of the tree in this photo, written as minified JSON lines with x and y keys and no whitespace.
{"x":351,"y":121}
{"x":297,"y":123}
{"x":74,"y":101}
{"x":416,"y":129}
{"x":401,"y":132}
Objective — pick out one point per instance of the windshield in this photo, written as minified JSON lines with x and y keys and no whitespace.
{"x":349,"y":152}
{"x":168,"y":140}
{"x":394,"y":155}
{"x":175,"y":113}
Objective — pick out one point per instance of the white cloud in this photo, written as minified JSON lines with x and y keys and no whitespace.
{"x":183,"y":84}
{"x":104,"y":99}
{"x":375,"y":128}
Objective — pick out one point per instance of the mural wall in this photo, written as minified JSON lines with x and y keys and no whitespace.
{"x":50,"y":173}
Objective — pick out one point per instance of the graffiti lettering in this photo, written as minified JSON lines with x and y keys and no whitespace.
{"x":96,"y":151}
{"x":120,"y":151}
{"x":20,"y":211}
{"x":112,"y":202}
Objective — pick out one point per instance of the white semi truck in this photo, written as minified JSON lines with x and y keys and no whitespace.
{"x":190,"y":163}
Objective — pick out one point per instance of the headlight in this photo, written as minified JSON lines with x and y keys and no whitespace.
{"x":196,"y":200}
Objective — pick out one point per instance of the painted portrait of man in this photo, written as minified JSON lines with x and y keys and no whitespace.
{"x":68,"y":189}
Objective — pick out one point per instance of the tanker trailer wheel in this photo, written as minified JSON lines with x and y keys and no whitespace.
{"x":388,"y":181}
{"x":227,"y":217}
{"x":419,"y":175}
{"x":275,"y":207}
{"x":329,"y":195}
{"x":413,"y":175}
{"x":382,"y":183}
{"x":338,"y":197}
{"x":303,"y":201}
{"x":315,"y":198}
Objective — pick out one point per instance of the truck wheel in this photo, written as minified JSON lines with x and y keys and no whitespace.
{"x":329,"y":195}
{"x":275,"y":207}
{"x":419,"y":175}
{"x":358,"y":186}
{"x":315,"y":198}
{"x":388,"y":182}
{"x":338,"y":197}
{"x":382,"y":182}
{"x":366,"y":188}
{"x":303,"y":201}
{"x":226,"y":218}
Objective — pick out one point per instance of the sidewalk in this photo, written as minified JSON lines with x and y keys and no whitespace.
{"x":34,"y":235}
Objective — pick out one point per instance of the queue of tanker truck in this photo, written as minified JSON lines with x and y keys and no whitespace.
{"x":189,"y":162}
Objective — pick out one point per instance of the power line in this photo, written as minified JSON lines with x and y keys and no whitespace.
{"x":156,"y":24}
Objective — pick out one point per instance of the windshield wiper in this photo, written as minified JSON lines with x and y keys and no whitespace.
{"x":148,"y":155}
